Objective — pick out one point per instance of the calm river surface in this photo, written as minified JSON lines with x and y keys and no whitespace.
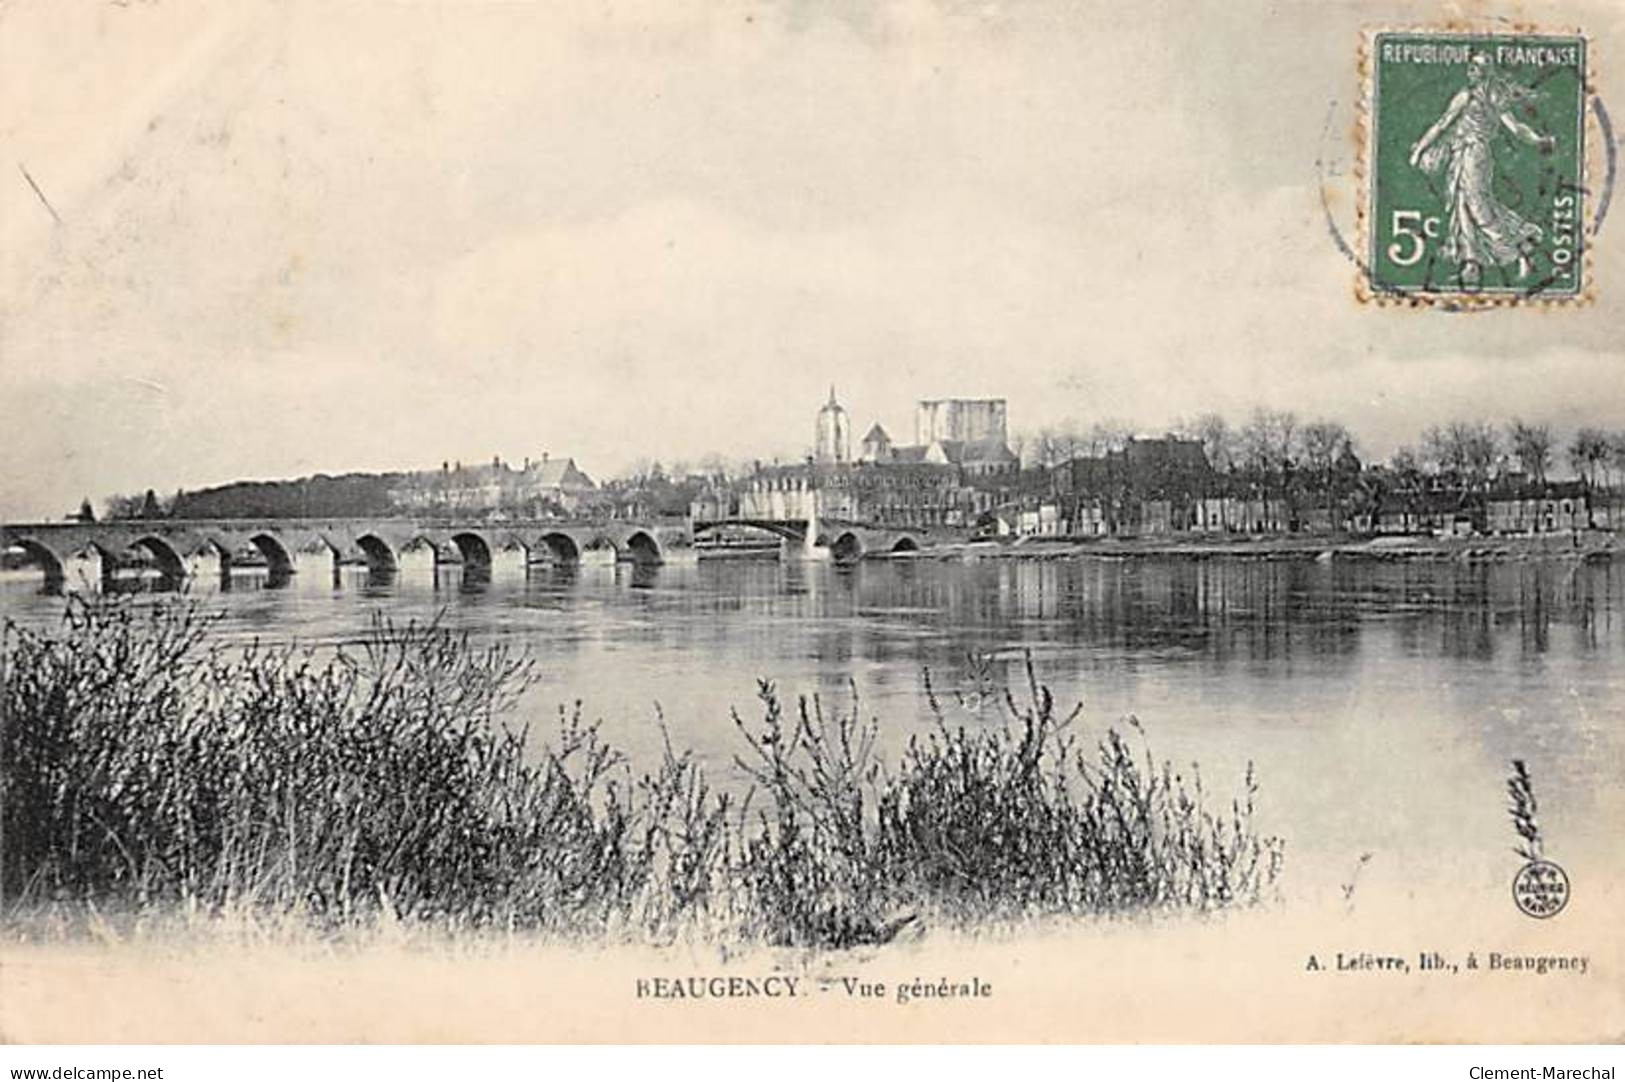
{"x":1380,"y":702}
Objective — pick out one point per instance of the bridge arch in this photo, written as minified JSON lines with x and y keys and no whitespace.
{"x":561,"y":546}
{"x":640,"y":547}
{"x":511,"y":543}
{"x":847,"y":548}
{"x":905,"y":544}
{"x":277,"y":557}
{"x":789,"y":531}
{"x":380,"y":556}
{"x":211,"y":546}
{"x":49,"y":562}
{"x":474,"y":549}
{"x":169,"y":561}
{"x":437,"y":545}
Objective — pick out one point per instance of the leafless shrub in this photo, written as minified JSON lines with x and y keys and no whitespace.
{"x":144,"y":765}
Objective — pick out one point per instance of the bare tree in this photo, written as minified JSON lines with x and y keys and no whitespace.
{"x":1045,"y":447}
{"x":1057,"y":444}
{"x":1110,"y":434}
{"x":1616,"y":454}
{"x":1481,"y":448}
{"x":1286,"y":432}
{"x":1218,"y":441}
{"x":1435,"y":453}
{"x":1532,"y":447}
{"x":1267,"y":444}
{"x":1253,"y":443}
{"x":1465,"y":450}
{"x":1324,"y":444}
{"x":639,"y":471}
{"x":1069,"y":438}
{"x":1587,"y":451}
{"x":1268,"y":440}
{"x":1406,"y":463}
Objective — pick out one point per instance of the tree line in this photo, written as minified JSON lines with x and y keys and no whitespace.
{"x":1269,"y":447}
{"x":1271,"y":443}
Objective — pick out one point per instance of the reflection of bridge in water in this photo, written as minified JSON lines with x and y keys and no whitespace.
{"x":86,"y":552}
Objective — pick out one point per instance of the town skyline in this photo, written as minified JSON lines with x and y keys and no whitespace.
{"x":247,"y":267}
{"x":1260,"y":439}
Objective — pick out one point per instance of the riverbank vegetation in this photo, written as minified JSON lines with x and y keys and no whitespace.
{"x":147,"y":766}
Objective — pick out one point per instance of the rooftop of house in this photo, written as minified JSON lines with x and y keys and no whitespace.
{"x":1149,"y":466}
{"x":1524,"y":488}
{"x":1169,"y":449}
{"x":561,"y":472}
{"x":976,"y":451}
{"x":957,"y":452}
{"x":546,"y":471}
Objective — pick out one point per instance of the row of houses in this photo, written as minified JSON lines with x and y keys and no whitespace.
{"x":1558,"y":507}
{"x":535,"y":488}
{"x":1366,"y":502}
{"x":916,"y":494}
{"x":1154,"y":487}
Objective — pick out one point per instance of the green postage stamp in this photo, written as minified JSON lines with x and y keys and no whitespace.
{"x":1475,"y":164}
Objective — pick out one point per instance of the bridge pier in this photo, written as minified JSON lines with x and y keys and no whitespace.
{"x":417,"y":562}
{"x":82,"y":571}
{"x":205,"y":566}
{"x":319,"y":566}
{"x":509,"y":563}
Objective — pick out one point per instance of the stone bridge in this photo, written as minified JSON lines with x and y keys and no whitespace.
{"x":847,"y":542}
{"x":89,"y":551}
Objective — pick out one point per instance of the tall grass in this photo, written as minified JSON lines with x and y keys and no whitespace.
{"x":144,"y":764}
{"x":1522,"y":807}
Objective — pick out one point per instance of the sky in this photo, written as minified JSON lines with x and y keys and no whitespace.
{"x":290,"y":238}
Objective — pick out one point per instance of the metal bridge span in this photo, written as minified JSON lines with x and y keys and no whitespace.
{"x":846,"y":541}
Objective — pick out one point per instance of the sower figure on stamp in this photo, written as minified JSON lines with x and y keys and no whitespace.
{"x":1481,"y":229}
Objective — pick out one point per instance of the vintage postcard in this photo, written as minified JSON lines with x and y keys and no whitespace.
{"x":774,"y":521}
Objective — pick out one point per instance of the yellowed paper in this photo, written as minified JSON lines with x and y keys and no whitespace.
{"x":272,"y":241}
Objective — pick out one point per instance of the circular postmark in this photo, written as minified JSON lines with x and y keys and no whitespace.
{"x":1540,"y":889}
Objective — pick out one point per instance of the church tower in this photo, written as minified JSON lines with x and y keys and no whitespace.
{"x":834,"y":440}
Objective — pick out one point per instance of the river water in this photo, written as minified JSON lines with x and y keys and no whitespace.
{"x":1380,"y":702}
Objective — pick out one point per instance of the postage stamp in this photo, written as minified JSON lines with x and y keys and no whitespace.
{"x":1475,"y":167}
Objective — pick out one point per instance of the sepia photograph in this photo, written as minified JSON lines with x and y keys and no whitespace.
{"x":771,"y":521}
